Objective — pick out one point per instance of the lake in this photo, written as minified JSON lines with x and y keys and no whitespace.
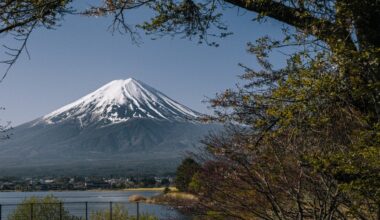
{"x":75,"y":202}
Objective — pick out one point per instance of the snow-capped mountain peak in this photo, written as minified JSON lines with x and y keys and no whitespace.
{"x":121,"y":100}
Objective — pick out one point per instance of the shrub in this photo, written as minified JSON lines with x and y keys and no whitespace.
{"x":119,"y":213}
{"x":48,"y":207}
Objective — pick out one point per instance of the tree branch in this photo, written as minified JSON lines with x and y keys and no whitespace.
{"x":301,"y":19}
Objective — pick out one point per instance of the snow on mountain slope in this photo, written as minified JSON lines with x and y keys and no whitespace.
{"x":119,"y":101}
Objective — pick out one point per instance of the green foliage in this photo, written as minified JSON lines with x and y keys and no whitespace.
{"x":119,"y":213}
{"x":19,"y":16}
{"x":166,"y":190}
{"x":195,"y":185}
{"x":187,"y":18}
{"x":52,"y":208}
{"x":311,"y":128}
{"x":48,"y":207}
{"x":185,"y":173}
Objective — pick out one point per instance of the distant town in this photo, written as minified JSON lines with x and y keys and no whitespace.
{"x":81,"y":183}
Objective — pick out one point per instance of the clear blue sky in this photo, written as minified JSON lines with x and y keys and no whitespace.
{"x":82,"y":55}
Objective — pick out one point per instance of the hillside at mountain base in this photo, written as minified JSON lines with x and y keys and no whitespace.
{"x":124,"y":128}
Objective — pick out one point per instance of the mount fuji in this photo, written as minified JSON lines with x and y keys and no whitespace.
{"x":126,"y":127}
{"x":120,"y":101}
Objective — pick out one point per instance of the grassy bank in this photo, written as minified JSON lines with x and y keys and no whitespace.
{"x":173,"y":199}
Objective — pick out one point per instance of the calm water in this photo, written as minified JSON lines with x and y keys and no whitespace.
{"x":96,"y":201}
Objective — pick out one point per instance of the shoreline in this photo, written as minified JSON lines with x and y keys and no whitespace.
{"x":96,"y":190}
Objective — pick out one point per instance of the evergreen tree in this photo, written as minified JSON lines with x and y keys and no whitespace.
{"x":185,"y":173}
